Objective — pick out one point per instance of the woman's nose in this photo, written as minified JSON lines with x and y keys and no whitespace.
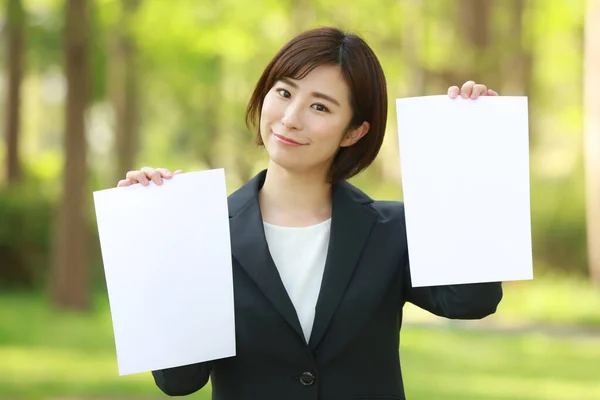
{"x":292,"y":118}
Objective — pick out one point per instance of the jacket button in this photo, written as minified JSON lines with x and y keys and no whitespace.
{"x":307,"y":378}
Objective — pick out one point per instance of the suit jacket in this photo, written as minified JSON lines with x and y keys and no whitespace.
{"x":353,"y":348}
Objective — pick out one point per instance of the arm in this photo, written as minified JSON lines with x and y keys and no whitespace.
{"x":468,"y":301}
{"x":181,"y":381}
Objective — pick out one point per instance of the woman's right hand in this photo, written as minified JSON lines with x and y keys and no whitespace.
{"x":147,"y":174}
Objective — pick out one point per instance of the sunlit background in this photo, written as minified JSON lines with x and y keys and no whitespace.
{"x":92,"y":89}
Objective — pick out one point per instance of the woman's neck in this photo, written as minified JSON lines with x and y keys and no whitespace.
{"x":294,"y":199}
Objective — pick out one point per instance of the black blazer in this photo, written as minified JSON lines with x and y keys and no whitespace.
{"x":353,"y":347}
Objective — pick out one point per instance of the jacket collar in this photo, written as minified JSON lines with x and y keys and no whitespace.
{"x":351,"y":223}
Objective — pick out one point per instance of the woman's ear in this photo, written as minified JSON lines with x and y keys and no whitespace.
{"x":355,"y":135}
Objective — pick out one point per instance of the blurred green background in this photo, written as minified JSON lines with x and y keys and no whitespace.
{"x":92,"y":89}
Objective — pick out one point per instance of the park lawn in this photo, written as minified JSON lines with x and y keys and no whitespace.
{"x":45,"y":355}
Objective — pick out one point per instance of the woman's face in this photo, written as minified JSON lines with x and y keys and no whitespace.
{"x":304,"y":122}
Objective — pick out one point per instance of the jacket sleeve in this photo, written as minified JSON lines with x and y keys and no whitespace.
{"x":468,"y":301}
{"x":184,"y":380}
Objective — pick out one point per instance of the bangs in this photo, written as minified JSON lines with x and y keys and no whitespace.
{"x":303,"y":59}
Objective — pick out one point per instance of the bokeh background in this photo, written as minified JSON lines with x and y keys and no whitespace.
{"x":93,"y":88}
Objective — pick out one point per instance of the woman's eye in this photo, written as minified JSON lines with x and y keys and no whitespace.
{"x":283,"y":93}
{"x":319,"y":107}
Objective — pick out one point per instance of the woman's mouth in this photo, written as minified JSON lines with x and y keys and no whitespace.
{"x":287,"y":141}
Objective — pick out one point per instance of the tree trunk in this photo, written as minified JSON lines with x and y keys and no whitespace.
{"x":475,"y":21}
{"x":212,"y":122}
{"x":591,"y":84}
{"x":70,"y":274}
{"x":124,"y":89}
{"x":517,"y":61}
{"x":14,"y":46}
{"x":412,"y":42}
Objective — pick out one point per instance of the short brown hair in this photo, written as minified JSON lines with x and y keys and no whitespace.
{"x":362,"y":72}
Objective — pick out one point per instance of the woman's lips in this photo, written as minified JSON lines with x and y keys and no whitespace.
{"x":287,"y":141}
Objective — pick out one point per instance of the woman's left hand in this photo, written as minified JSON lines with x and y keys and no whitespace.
{"x":471,"y":90}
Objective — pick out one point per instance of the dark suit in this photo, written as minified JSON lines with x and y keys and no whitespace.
{"x":353,"y":347}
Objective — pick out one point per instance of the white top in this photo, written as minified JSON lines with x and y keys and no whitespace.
{"x":299,"y":254}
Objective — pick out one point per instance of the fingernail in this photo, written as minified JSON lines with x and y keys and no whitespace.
{"x":465,"y":96}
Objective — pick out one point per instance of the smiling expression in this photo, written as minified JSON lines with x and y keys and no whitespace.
{"x":304,"y":122}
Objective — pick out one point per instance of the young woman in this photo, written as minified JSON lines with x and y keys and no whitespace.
{"x":320,"y":270}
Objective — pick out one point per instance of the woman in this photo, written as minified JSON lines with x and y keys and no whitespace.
{"x":320,"y":269}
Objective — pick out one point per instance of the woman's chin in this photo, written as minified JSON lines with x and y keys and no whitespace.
{"x":285,"y":162}
{"x":296,"y":166}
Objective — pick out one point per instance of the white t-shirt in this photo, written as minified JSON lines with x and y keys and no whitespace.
{"x":299,"y":254}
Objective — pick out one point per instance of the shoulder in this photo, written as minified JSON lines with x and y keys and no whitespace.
{"x":246,"y":195}
{"x":387,"y":210}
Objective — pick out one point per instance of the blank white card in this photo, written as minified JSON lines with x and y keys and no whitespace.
{"x":167,"y":260}
{"x":465,"y":179}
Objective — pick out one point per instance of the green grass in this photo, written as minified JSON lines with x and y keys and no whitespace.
{"x":455,"y":364}
{"x":45,"y":354}
{"x":552,"y":299}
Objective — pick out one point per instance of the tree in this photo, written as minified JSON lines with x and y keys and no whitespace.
{"x":475,"y":21}
{"x":591,"y":84}
{"x":517,"y":59}
{"x":14,"y":73}
{"x":70,"y":273}
{"x":124,"y":88}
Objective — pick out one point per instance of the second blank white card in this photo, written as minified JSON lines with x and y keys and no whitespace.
{"x":465,"y":179}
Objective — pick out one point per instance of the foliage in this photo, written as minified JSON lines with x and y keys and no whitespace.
{"x":25,"y":235}
{"x":198,"y":62}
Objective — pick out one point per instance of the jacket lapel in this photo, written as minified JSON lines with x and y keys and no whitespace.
{"x":351,"y":225}
{"x":249,"y":247}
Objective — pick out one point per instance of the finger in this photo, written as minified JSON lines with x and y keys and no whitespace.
{"x":165,"y":173}
{"x":466,"y":89}
{"x":148,"y":171}
{"x":152,"y":174}
{"x":156,"y":177}
{"x":491,"y":92}
{"x":124,"y":182}
{"x":453,"y":92}
{"x":478,"y":90}
{"x":179,"y":171}
{"x":137,"y":176}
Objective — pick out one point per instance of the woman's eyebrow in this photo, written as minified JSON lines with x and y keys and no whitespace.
{"x":315,"y":94}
